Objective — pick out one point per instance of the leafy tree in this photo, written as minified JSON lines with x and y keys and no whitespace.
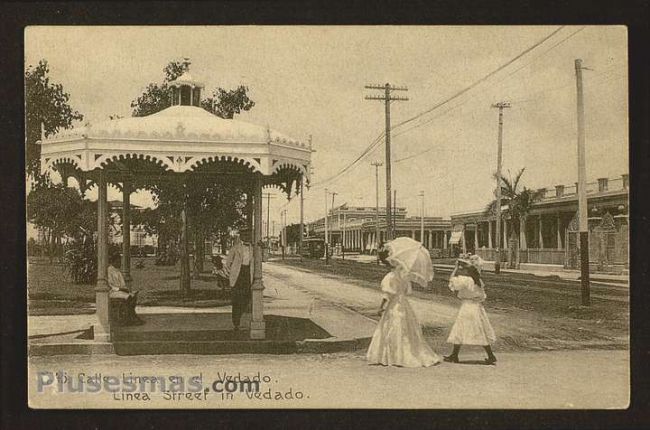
{"x":211,"y":207}
{"x":225,"y":104}
{"x":293,"y":233}
{"x":61,"y":211}
{"x":519,"y":202}
{"x":45,"y":103}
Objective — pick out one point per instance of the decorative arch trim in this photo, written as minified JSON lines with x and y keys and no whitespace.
{"x":103,"y":160}
{"x":249,"y":163}
{"x":288,"y":164}
{"x":50,"y":163}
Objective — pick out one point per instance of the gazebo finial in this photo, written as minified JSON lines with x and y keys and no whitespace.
{"x":186,"y":91}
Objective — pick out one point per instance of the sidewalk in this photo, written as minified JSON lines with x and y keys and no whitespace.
{"x":537,"y":270}
{"x":565,"y":274}
{"x":349,"y":330}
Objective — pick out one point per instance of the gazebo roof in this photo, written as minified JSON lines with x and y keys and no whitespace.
{"x":178,"y":123}
{"x":178,"y":138}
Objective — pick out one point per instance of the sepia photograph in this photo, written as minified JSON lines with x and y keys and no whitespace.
{"x":314,"y":216}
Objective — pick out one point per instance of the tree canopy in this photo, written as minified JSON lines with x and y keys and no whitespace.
{"x":211,"y":207}
{"x":519,"y":201}
{"x":45,"y":103}
{"x":223,"y":103}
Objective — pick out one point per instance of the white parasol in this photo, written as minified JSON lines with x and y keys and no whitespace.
{"x":412,"y":258}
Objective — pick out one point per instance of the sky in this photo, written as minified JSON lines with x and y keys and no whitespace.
{"x":310,"y":81}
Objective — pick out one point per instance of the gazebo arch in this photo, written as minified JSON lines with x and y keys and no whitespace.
{"x":181,"y":140}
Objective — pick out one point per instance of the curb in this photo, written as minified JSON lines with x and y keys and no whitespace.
{"x":307,"y":346}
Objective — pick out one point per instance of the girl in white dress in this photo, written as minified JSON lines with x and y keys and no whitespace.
{"x":398,"y":339}
{"x":472,"y":326}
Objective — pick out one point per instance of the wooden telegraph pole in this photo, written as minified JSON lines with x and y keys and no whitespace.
{"x":268,"y":222}
{"x":387,"y":97}
{"x":327,"y":257}
{"x":302,"y":215}
{"x":377,"y":165}
{"x":422,"y":218}
{"x":497,"y":262}
{"x":582,"y":191}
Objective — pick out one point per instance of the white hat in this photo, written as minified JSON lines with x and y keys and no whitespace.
{"x":476,"y":261}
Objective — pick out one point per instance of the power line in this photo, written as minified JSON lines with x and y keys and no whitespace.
{"x":512,"y":73}
{"x":387,"y":98}
{"x":377,"y":140}
{"x":483,"y":79}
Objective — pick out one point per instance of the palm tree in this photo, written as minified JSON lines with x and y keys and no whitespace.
{"x":519,"y":203}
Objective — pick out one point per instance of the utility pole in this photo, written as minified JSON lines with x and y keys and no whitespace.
{"x":377,"y":165}
{"x":302,"y":215}
{"x":582,"y":191}
{"x":268,"y":217}
{"x":422,"y":218}
{"x":283,"y":232}
{"x":387,"y":97}
{"x":343,"y":235}
{"x":497,"y":262}
{"x":327,"y":257}
{"x":394,"y":210}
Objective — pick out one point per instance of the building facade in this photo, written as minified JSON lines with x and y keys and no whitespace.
{"x":355,"y":228}
{"x":548,"y":235}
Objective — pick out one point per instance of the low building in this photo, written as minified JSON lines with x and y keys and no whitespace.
{"x":355,"y":228}
{"x":548,"y":235}
{"x":139,"y":238}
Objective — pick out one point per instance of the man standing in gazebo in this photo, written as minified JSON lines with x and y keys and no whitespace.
{"x":238,"y":263}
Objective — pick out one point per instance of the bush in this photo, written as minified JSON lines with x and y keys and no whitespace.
{"x":33,"y":248}
{"x":80,"y":262}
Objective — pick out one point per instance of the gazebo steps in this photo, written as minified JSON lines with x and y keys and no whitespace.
{"x":212,"y":333}
{"x":175,"y":336}
{"x":155,"y":347}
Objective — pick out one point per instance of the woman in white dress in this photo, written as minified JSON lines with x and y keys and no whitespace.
{"x":398,"y":339}
{"x":472,"y":326}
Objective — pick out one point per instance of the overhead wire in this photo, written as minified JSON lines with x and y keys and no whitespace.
{"x":375,"y":142}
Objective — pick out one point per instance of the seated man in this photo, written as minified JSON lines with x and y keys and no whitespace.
{"x":127,"y":301}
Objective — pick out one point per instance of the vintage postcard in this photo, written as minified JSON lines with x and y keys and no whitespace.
{"x":394,"y":217}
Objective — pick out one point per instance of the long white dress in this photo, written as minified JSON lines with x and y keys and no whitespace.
{"x":472,"y":326}
{"x":398,"y":339}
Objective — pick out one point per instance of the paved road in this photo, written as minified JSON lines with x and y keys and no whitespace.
{"x":568,"y":379}
{"x":515,"y":328}
{"x":546,"y":379}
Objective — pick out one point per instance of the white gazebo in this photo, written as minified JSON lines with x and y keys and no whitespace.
{"x":176,"y":143}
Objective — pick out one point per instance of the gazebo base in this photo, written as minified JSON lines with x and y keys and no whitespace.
{"x":211,"y":333}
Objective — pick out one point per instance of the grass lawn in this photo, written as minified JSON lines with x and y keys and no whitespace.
{"x":547,"y":309}
{"x":51,"y":292}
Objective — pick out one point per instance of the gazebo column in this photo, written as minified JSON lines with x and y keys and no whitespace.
{"x":126,"y":232}
{"x":185,"y":256}
{"x":445,"y":241}
{"x":257,"y":325}
{"x":250,"y":225}
{"x":102,"y":331}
